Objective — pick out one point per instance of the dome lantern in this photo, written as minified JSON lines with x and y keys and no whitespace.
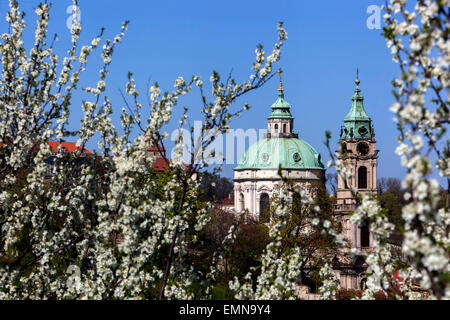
{"x":280,"y":120}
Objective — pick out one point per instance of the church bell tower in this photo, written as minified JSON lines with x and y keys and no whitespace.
{"x":358,"y":151}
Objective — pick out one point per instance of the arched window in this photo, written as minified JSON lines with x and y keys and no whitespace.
{"x":363,"y":284}
{"x":365,"y":236}
{"x":276,"y":127}
{"x":362,"y":178}
{"x":264,"y":207}
{"x":284,"y":128}
{"x":241,"y":202}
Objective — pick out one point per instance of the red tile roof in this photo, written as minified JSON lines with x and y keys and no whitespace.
{"x":160,"y":164}
{"x":70,"y":146}
{"x":228,"y":201}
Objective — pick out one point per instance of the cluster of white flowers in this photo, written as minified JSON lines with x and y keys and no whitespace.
{"x":108,"y":215}
{"x":330,"y":283}
{"x":380,"y":260}
{"x":280,"y":268}
{"x":424,"y":62}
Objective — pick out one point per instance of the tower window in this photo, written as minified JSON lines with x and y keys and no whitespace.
{"x":276,"y":127}
{"x":284,"y":128}
{"x":365,"y":236}
{"x":264,"y":207}
{"x":362,"y":178}
{"x":362,"y":131}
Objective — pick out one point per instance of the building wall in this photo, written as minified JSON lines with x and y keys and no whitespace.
{"x":276,"y":126}
{"x":351,"y":278}
{"x":250,"y":185}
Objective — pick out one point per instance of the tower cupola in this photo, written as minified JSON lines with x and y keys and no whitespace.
{"x":357,"y":124}
{"x":280,"y":120}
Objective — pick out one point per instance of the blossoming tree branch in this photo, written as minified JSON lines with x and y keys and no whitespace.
{"x":125,"y":228}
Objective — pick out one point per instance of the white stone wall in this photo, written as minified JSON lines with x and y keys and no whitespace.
{"x":280,"y":123}
{"x":249,"y":185}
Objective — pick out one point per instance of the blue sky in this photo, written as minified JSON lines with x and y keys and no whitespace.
{"x":327,"y":41}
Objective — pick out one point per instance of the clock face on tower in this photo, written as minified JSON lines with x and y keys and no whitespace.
{"x":363,"y":149}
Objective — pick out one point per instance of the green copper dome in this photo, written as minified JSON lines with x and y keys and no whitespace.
{"x":281,"y":146}
{"x":291,"y":153}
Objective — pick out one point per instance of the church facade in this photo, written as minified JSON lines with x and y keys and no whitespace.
{"x":256,"y":177}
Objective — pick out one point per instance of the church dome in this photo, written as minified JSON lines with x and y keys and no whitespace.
{"x":290,"y":153}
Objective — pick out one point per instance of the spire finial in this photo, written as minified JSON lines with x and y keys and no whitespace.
{"x":357,"y":77}
{"x":280,"y":89}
